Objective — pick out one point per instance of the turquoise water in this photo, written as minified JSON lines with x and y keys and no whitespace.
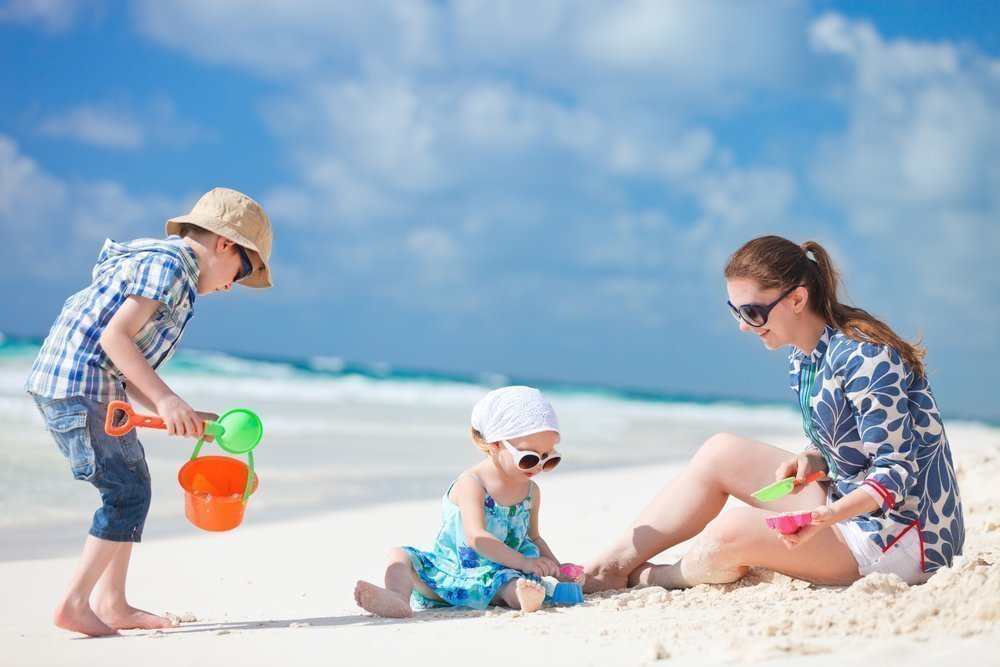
{"x":337,"y":434}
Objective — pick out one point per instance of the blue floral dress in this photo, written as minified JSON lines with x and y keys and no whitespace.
{"x":455,"y":571}
{"x":878,"y":427}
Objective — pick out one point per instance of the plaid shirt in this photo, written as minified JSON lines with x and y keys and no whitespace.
{"x":72,"y":361}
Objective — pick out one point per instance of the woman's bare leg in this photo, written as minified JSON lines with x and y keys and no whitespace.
{"x":739,"y":538}
{"x":726,"y":465}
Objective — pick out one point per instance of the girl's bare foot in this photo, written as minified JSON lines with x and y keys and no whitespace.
{"x":381,"y":602}
{"x":530,"y":594}
{"x":127,"y":617}
{"x":82,"y":619}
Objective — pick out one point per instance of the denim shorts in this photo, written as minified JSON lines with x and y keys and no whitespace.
{"x":116,"y":465}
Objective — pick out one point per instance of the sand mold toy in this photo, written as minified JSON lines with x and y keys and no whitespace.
{"x":789,"y":523}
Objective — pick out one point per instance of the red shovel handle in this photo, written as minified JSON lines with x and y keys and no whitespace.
{"x":813,"y":477}
{"x":131,"y":419}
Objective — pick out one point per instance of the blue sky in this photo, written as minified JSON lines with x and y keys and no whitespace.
{"x":542,"y":189}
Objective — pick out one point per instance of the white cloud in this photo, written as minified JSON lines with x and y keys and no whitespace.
{"x":116,"y":125}
{"x":917,"y":173}
{"x":102,"y":126}
{"x":705,"y":52}
{"x":52,"y":227}
{"x":52,"y":15}
{"x":298,"y":38}
{"x":921,"y":127}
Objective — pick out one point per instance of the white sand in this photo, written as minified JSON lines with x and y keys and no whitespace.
{"x":278,"y":594}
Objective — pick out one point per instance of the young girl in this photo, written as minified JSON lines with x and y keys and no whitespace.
{"x":489,"y":550}
{"x":891,"y":503}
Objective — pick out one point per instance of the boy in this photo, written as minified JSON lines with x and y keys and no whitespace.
{"x":109,"y":340}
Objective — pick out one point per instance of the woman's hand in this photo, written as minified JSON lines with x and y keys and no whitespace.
{"x":800,"y":467}
{"x":822,"y":517}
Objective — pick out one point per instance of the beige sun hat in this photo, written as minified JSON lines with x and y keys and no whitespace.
{"x":239,"y":218}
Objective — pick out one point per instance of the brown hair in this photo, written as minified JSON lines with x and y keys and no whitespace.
{"x":186,"y":229}
{"x":777,"y":263}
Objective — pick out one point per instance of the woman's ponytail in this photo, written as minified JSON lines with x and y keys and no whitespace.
{"x":777,"y":263}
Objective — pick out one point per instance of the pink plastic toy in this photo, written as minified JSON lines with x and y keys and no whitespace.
{"x":789,"y":523}
{"x":571,"y":571}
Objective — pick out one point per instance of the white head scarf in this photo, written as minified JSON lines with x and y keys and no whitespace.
{"x":513,"y":412}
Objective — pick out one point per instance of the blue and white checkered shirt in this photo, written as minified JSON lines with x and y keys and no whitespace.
{"x":72,"y":361}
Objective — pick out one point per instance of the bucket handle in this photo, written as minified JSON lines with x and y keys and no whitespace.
{"x":249,"y":486}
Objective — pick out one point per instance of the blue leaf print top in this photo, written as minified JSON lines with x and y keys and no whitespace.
{"x":878,"y":427}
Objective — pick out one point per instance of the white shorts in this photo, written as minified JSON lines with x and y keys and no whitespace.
{"x":904,"y":558}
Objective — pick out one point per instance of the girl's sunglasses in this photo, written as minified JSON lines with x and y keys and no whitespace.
{"x":525,"y":460}
{"x":246,"y":267}
{"x":754,"y":315}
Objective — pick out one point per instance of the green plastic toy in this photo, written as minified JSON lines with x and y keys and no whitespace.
{"x":782,"y":488}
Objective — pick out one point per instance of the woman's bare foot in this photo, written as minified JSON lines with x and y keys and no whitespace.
{"x":127,"y":617}
{"x":530,"y":594}
{"x":600,"y":576}
{"x":82,"y":619}
{"x":381,"y":602}
{"x":648,"y":574}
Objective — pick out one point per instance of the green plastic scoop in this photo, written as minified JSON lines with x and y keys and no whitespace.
{"x":782,"y":488}
{"x":238,"y":432}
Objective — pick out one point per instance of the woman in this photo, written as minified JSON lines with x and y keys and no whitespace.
{"x":889,"y":502}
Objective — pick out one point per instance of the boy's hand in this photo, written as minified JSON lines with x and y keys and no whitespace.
{"x":179,"y":417}
{"x":207,"y":417}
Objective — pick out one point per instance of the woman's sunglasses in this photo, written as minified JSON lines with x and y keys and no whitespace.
{"x":246,"y":267}
{"x":754,"y":315}
{"x":525,"y":460}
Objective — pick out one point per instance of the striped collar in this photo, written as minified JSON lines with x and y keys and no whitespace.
{"x":821,"y":347}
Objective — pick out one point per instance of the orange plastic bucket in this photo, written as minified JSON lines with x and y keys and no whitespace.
{"x":214,"y":489}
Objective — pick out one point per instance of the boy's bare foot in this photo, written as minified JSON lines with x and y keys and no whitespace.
{"x":531,"y":595}
{"x":82,"y":619}
{"x":130,"y":618}
{"x":381,"y":602}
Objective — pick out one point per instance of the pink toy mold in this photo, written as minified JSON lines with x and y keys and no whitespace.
{"x":571,"y":571}
{"x":789,"y":523}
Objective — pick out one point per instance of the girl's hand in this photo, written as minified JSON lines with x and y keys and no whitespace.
{"x":540,"y":567}
{"x":822,"y":517}
{"x":800,"y":467}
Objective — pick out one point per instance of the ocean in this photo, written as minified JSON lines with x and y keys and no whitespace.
{"x":336,"y":435}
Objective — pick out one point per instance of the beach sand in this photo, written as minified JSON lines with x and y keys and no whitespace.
{"x":281,"y":593}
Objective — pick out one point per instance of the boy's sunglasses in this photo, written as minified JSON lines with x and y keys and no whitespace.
{"x":754,"y":315}
{"x":525,"y":460}
{"x":246,"y":267}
